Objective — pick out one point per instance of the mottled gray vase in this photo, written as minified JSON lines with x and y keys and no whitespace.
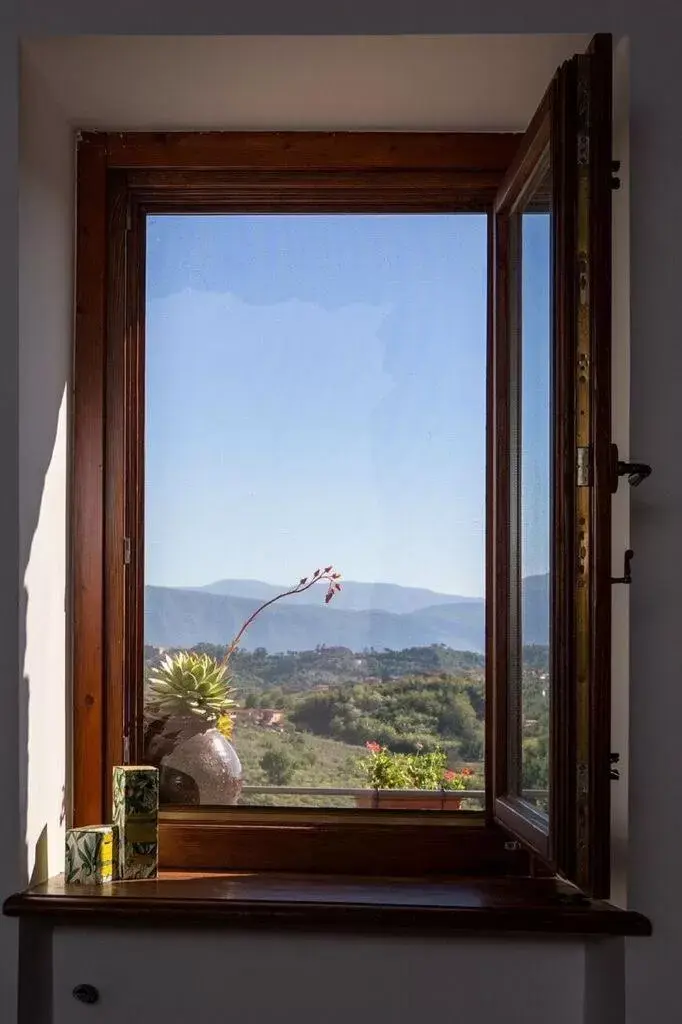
{"x":197,"y":765}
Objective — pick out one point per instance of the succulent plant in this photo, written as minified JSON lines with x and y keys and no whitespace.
{"x":187,"y":683}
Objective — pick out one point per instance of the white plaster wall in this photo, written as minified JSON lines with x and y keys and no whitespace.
{"x":45,"y":326}
{"x":655,"y":33}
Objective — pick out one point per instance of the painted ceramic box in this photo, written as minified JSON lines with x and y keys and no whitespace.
{"x":91,"y":855}
{"x":135,"y":814}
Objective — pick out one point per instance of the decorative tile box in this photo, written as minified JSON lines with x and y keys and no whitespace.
{"x":91,"y":855}
{"x":136,"y":815}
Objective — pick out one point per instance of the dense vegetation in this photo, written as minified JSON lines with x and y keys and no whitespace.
{"x":405,"y":715}
{"x":334,"y":700}
{"x":294,"y":671}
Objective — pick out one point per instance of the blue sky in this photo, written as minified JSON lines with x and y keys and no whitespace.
{"x":315,"y":393}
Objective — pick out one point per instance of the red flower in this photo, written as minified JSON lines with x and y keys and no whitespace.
{"x":374,"y":748}
{"x":467,"y":771}
{"x":449,"y":775}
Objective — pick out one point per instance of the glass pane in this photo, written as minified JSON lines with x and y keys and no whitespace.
{"x":315,"y":399}
{"x":534,"y":488}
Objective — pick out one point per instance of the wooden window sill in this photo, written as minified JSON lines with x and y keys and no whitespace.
{"x":329,"y":903}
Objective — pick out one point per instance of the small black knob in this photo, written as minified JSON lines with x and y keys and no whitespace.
{"x":86,"y":994}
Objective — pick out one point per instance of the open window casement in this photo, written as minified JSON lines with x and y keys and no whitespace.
{"x":549,"y":389}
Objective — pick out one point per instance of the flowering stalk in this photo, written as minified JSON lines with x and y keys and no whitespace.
{"x":327,"y":574}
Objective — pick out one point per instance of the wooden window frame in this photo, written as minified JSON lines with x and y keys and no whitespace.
{"x":573,"y":127}
{"x":121,"y":178}
{"x":509,"y":807}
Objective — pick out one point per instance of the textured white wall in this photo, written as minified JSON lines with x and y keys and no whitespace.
{"x":45,"y":327}
{"x":655,"y":33}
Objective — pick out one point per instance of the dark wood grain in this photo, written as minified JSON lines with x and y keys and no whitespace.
{"x":600,"y":57}
{"x":115,"y":481}
{"x":490,"y":527}
{"x":305,"y":151}
{"x":504,"y":644}
{"x":563,"y":554}
{"x":87,"y":496}
{"x":355,"y":844}
{"x":363,"y":905}
{"x":497,"y":589}
{"x":522,"y":173}
{"x":134,"y":400}
{"x":275,"y":191}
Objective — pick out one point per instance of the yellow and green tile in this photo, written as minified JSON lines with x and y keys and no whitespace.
{"x":91,"y":855}
{"x":136,"y":815}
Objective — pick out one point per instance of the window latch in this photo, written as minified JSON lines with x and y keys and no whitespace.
{"x":627,"y":568}
{"x":634,"y":471}
{"x":614,"y":773}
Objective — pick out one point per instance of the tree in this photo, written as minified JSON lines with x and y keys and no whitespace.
{"x":279,"y":766}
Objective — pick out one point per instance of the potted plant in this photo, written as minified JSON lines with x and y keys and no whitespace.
{"x":188,"y":727}
{"x":426,"y":773}
{"x":188,"y":720}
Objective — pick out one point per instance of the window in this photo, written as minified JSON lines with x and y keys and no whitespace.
{"x":203,"y":391}
{"x":315,"y":392}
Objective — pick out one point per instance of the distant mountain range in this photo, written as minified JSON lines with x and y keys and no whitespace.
{"x":354,"y":597}
{"x":363,"y":615}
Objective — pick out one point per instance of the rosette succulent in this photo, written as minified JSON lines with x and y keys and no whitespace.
{"x":187,"y":683}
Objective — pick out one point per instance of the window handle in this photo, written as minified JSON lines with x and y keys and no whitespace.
{"x":634,"y":471}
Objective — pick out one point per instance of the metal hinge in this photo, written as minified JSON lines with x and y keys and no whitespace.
{"x":127,"y":551}
{"x":126,"y":749}
{"x":583,"y":473}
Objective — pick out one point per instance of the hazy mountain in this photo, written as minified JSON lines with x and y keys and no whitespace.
{"x":182,"y":618}
{"x":358,"y":597}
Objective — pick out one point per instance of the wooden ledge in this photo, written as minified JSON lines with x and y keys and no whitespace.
{"x":326,"y":903}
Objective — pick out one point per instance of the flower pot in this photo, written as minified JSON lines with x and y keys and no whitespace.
{"x":426,"y":800}
{"x":197,"y":764}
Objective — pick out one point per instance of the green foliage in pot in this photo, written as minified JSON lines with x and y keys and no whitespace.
{"x":387,"y":770}
{"x":186,"y":684}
